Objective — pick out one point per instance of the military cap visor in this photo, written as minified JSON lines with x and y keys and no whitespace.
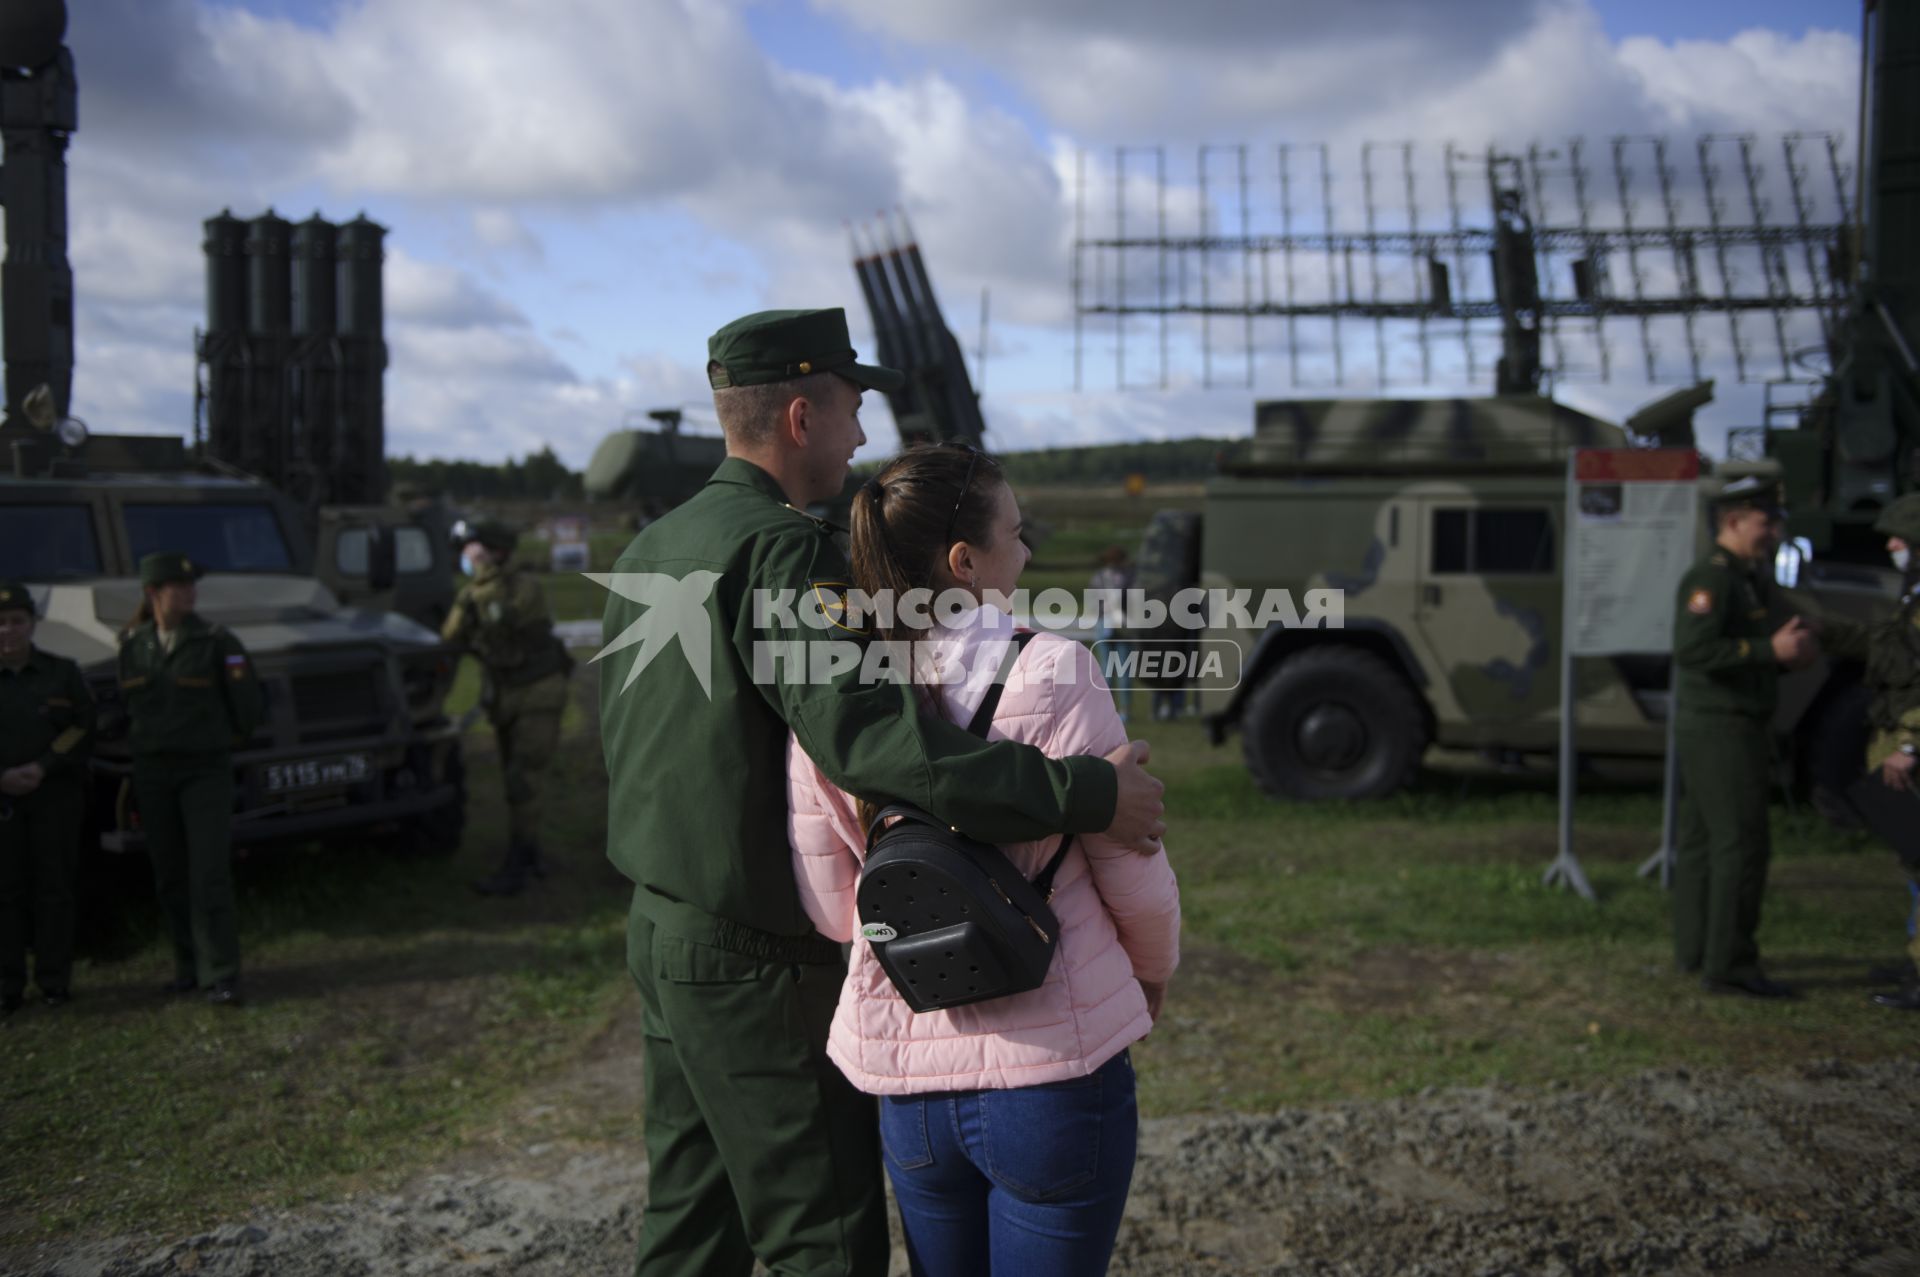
{"x":781,"y":345}
{"x":168,"y":566}
{"x":1901,"y":519}
{"x":14,"y":597}
{"x":1752,"y":494}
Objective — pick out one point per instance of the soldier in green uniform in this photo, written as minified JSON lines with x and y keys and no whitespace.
{"x":1886,"y":795}
{"x":191,"y":696}
{"x":46,"y":732}
{"x":501,"y":616}
{"x":757,"y":1145}
{"x":1727,"y":668}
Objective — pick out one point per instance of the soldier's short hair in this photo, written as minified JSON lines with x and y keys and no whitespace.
{"x":751,"y":414}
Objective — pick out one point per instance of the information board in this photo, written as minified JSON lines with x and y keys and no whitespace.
{"x":1632,"y":536}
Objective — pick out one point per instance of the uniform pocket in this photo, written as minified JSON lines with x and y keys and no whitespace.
{"x":191,"y":680}
{"x":1043,"y":1142}
{"x":688,"y":962}
{"x":903,"y":1131}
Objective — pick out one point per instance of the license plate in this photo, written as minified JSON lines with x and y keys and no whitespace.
{"x":316,"y":773}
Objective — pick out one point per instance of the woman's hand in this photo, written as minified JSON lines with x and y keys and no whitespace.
{"x":1156,"y":992}
{"x":1897,"y":771}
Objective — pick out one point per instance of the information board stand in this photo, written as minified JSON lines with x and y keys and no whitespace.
{"x":1628,"y":539}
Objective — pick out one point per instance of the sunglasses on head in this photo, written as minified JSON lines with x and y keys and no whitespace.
{"x":973,"y":459}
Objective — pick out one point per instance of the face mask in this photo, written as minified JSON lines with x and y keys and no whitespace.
{"x":1901,"y":558}
{"x":466,"y":565}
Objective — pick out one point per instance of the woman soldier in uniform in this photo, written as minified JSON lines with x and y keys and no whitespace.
{"x":191,"y":695}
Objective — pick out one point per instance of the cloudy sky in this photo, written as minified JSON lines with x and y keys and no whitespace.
{"x":579,"y":191}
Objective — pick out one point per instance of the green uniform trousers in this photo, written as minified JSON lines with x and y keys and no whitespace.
{"x":39,"y":856}
{"x":526,"y":722}
{"x":756,"y":1144}
{"x":186,"y":808}
{"x":1720,"y":870}
{"x":1893,"y":814}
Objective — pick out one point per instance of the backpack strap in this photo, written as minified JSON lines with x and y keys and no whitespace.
{"x":983,"y":718}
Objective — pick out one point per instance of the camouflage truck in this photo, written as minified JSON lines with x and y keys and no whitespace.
{"x":356,"y":739}
{"x":1440,"y":521}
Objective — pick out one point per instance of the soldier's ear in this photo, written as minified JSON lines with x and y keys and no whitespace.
{"x":796,"y":423}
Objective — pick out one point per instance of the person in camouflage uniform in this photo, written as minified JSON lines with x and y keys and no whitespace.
{"x":1886,"y":795}
{"x":1726,"y":678}
{"x":46,"y":731}
{"x":501,"y":617}
{"x":191,"y":696}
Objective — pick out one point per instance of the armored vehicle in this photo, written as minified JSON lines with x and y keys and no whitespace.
{"x":1439,"y":522}
{"x":355,"y":737}
{"x":1441,"y":519}
{"x":653,"y":470}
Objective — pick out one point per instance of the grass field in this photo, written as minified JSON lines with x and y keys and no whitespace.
{"x":399,"y":1021}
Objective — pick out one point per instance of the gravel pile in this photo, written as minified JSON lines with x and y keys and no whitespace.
{"x":1816,"y":1171}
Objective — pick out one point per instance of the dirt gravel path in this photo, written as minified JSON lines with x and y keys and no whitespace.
{"x":1814,"y":1171}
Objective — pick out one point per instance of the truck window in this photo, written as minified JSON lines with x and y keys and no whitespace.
{"x":47,"y":542}
{"x":241,"y":537}
{"x":412,"y":552}
{"x":1506,"y":542}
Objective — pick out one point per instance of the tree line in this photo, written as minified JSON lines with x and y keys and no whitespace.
{"x":542,"y":476}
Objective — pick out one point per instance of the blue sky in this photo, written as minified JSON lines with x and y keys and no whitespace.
{"x":578,"y":191}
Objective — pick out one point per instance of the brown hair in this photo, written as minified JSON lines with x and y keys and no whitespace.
{"x":909,"y":515}
{"x":906,"y":518}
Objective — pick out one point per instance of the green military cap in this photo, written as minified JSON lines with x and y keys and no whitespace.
{"x":492,"y":533}
{"x":1751,"y":493}
{"x":164,"y":566}
{"x":15,"y":598}
{"x":780,"y":345}
{"x":1901,"y":519}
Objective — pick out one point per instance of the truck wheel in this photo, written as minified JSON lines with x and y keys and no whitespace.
{"x":1333,"y":722}
{"x":437,"y":833}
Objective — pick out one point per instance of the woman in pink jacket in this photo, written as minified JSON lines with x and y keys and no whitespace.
{"x":1008,"y":1126}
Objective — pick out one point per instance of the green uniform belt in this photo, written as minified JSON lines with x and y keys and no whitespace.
{"x":689,"y":922}
{"x":736,"y":937}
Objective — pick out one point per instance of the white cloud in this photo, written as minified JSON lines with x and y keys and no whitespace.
{"x":466,"y":127}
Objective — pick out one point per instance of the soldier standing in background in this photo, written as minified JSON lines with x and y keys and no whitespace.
{"x":1726,"y":675}
{"x":502,"y":618}
{"x":1886,"y":795}
{"x":46,"y":732}
{"x":191,"y":695}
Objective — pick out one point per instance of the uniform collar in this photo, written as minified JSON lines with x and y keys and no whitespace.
{"x":745,"y":473}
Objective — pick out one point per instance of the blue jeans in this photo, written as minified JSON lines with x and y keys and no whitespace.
{"x":1031,"y":1180}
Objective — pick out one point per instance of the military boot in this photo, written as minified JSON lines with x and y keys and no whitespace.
{"x":522,"y":862}
{"x":1908,"y":999}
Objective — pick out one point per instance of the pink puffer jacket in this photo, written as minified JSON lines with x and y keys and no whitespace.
{"x":1119,"y":911}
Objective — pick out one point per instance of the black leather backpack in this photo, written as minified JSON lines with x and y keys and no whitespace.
{"x":950,"y":918}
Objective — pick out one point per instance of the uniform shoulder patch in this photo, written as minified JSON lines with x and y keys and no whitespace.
{"x":831,"y":598}
{"x":1700,"y":602}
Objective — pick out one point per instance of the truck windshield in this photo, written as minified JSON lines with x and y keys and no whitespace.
{"x":47,"y":542}
{"x":220,"y":538}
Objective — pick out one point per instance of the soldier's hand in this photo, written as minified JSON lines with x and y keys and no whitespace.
{"x":1897,"y":771}
{"x":1138,"y":813}
{"x":1793,"y":645}
{"x":18,"y":782}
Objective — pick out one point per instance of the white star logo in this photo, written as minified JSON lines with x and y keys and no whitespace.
{"x":676,"y":609}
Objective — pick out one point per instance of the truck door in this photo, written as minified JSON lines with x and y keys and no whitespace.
{"x":1489,"y":606}
{"x":386,"y":559}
